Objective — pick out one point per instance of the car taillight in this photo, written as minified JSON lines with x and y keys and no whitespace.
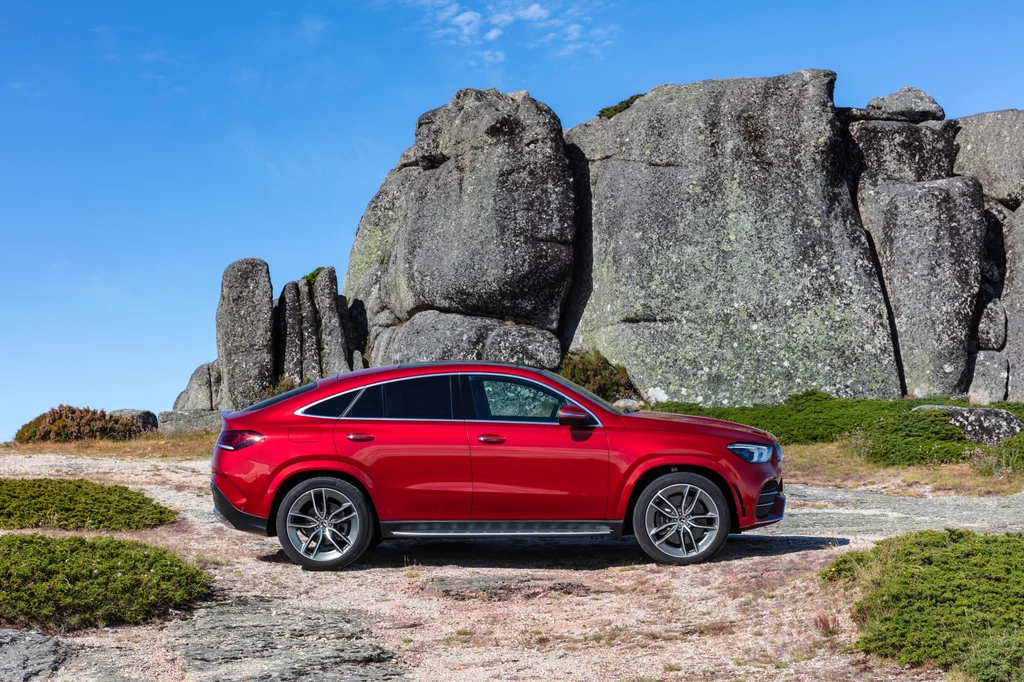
{"x":236,"y":440}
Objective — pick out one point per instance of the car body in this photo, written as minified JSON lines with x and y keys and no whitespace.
{"x":481,"y":449}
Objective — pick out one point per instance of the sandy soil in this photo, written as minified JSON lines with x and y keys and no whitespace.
{"x":509,"y":610}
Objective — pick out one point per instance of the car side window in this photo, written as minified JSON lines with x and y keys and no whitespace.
{"x":369,"y":404}
{"x":332,"y":407}
{"x":498,"y":398}
{"x":428,"y":397}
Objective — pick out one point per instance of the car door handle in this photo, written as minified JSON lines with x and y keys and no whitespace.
{"x":491,"y":439}
{"x":360,"y":437}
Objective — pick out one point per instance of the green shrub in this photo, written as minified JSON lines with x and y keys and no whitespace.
{"x":311,"y":277}
{"x":609,"y":112}
{"x":909,"y":438}
{"x":997,"y":658}
{"x":76,"y":505}
{"x":930,"y":596}
{"x":65,"y":423}
{"x":594,"y":373}
{"x":71,"y":583}
{"x":1003,"y":458}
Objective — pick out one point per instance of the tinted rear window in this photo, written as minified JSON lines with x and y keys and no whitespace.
{"x":369,"y":404}
{"x":420,"y":398}
{"x":332,"y":407}
{"x":281,"y":397}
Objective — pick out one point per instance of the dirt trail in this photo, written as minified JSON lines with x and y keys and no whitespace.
{"x":518,"y":609}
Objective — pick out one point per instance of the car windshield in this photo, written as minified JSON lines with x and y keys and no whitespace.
{"x":579,"y":389}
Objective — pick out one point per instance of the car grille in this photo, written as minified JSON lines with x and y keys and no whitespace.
{"x":766,"y":499}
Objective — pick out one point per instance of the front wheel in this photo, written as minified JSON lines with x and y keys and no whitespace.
{"x":681,"y":519}
{"x":324,"y":523}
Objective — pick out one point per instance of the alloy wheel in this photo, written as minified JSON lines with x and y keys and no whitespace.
{"x":682,"y":520}
{"x":322,"y":524}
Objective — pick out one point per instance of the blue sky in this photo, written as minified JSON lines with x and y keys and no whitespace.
{"x":145,"y":145}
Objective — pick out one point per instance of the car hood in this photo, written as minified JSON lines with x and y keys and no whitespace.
{"x":684,"y":423}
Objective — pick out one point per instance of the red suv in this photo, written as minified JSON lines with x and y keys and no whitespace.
{"x":461,"y":450}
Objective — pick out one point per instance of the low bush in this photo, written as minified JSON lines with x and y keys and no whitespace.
{"x":76,"y":505}
{"x":996,"y":658}
{"x":1001,"y":459}
{"x":60,"y":584}
{"x":311,"y":277}
{"x":66,"y":423}
{"x":909,"y":438}
{"x":609,"y":112}
{"x":594,"y":373}
{"x":949,"y":598}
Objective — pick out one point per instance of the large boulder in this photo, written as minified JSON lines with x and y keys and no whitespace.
{"x":245,"y":332}
{"x":188,"y":421}
{"x":333,"y":346}
{"x":523,"y":345}
{"x":889,"y":150}
{"x":992,"y":326}
{"x":146,"y":420}
{"x":980,"y":424}
{"x":309,"y":328}
{"x":479,"y":213}
{"x":198,"y":394}
{"x":288,"y":334}
{"x":1013,"y":303}
{"x":432,"y":336}
{"x":930,"y":238}
{"x":907,"y":104}
{"x":728,"y":263}
{"x":992,"y":150}
{"x":991,"y":376}
{"x":27,"y":655}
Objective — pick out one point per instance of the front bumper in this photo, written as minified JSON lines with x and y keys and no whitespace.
{"x":226,"y":513}
{"x":777,"y":513}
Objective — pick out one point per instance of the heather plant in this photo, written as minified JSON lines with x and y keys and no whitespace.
{"x":594,"y":373}
{"x":609,"y":112}
{"x":66,"y":423}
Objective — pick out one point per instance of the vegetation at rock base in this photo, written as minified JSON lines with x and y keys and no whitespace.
{"x":60,"y":584}
{"x":908,"y":438}
{"x":953,"y":598}
{"x":1001,"y":459}
{"x":283,"y":385}
{"x":311,"y":277}
{"x":76,"y":505}
{"x":178,"y":446}
{"x":609,"y":112}
{"x":66,"y":423}
{"x":594,"y":373}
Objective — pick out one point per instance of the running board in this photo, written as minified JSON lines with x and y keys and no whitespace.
{"x":484,"y":529}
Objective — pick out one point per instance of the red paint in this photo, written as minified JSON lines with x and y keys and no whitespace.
{"x":486,"y":470}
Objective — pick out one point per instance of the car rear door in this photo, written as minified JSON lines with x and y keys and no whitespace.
{"x":411,"y":440}
{"x":526,"y":466}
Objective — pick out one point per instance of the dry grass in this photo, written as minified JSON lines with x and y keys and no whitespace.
{"x":833,"y":465}
{"x":149,"y":446}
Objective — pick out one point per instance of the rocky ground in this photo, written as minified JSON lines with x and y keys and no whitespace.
{"x":494,"y":610}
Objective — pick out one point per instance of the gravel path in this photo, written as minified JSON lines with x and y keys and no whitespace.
{"x":505,"y":610}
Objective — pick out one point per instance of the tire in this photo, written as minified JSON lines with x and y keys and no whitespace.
{"x":699,"y":527}
{"x":313,"y":540}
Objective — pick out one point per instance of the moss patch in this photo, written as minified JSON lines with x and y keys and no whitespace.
{"x":76,"y":505}
{"x":941,"y":597}
{"x":59,"y":584}
{"x":311,"y":277}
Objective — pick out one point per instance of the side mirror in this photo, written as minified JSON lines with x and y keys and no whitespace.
{"x":573,"y":415}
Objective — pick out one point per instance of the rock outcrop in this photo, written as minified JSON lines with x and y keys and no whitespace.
{"x":729,"y":265}
{"x":1013,"y":303}
{"x":245,"y":331}
{"x":991,"y":377}
{"x":982,"y":425}
{"x":930,"y":241}
{"x":27,"y":656}
{"x":906,"y":104}
{"x":299,"y":338}
{"x":188,"y":421}
{"x":992,"y":150}
{"x":146,"y":420}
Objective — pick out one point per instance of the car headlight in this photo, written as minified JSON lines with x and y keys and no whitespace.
{"x":752,"y":452}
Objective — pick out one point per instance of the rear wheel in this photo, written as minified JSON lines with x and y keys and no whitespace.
{"x":324,"y":523}
{"x":681,"y":519}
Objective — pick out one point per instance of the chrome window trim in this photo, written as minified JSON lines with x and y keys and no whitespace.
{"x":301,"y":411}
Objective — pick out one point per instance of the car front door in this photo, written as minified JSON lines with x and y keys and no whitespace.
{"x":526,"y":466}
{"x":410,"y":439}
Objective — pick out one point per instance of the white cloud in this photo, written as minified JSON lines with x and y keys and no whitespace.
{"x":16,"y":85}
{"x":312,"y":28}
{"x":448,"y":12}
{"x":468,"y":23}
{"x":493,"y":33}
{"x":573,"y":32}
{"x":533,"y":12}
{"x":501,"y":19}
{"x":492,"y":56}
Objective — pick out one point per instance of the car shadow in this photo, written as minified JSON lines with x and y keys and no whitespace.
{"x":587,"y":554}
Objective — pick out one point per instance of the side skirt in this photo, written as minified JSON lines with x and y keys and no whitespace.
{"x":519,"y":529}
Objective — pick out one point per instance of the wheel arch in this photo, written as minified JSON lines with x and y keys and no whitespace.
{"x":659,"y":470}
{"x":298,"y":477}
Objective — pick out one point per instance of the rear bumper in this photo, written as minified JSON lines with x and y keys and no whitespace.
{"x":226,"y":513}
